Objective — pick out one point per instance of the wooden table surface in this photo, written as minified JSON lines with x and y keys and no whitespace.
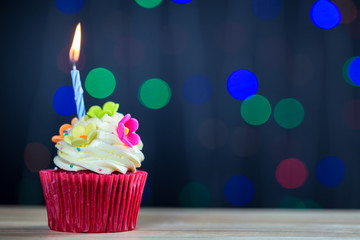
{"x":170,"y":223}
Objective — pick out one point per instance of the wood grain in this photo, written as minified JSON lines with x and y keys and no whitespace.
{"x":165,"y":223}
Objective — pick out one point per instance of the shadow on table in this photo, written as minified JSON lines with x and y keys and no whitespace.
{"x":43,"y":232}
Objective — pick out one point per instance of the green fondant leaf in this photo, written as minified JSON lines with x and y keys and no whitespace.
{"x":109,"y":106}
{"x":102,"y":113}
{"x":93,"y":111}
{"x":115,"y":109}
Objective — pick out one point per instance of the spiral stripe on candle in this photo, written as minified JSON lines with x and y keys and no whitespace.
{"x":78,"y":93}
{"x":82,"y":106}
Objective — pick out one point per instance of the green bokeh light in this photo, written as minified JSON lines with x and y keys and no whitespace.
{"x":289,"y":202}
{"x":294,"y":202}
{"x":195,"y":194}
{"x":306,"y":204}
{"x":256,"y":110}
{"x":100,"y":83}
{"x":148,"y":3}
{"x":345,"y":72}
{"x":289,"y":113}
{"x":154,"y":93}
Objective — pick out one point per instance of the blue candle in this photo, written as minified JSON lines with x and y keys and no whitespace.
{"x":75,"y":74}
{"x":78,"y":92}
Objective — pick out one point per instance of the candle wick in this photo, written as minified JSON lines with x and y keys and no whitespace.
{"x":74,"y":66}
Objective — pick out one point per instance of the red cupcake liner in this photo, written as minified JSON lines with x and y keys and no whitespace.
{"x":85,"y":201}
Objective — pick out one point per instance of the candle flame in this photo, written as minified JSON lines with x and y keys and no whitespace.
{"x":75,"y":47}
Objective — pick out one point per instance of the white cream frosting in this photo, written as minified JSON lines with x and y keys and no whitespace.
{"x":105,"y":154}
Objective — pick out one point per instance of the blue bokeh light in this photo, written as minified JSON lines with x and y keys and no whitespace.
{"x":242,"y":84}
{"x":239,"y":190}
{"x":266,"y":9}
{"x":63,"y":102}
{"x":325,"y":14}
{"x":70,"y":6}
{"x":354,"y":71}
{"x":330,"y":171}
{"x":197,"y":89}
{"x":181,"y":1}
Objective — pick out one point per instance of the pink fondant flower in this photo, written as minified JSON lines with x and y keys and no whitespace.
{"x":126,"y":130}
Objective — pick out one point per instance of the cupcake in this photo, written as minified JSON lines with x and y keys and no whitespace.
{"x":95,"y":186}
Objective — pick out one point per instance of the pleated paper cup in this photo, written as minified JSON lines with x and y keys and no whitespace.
{"x":85,"y":201}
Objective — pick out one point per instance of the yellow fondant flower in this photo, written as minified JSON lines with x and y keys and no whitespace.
{"x":81,"y":135}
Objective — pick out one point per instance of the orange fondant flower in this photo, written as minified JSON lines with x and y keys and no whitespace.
{"x":62,"y":129}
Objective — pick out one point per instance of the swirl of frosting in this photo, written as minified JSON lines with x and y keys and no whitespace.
{"x":105,"y":154}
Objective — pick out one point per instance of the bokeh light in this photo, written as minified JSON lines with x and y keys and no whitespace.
{"x":330,"y":171}
{"x":289,"y":202}
{"x":294,"y":202}
{"x":36,"y":156}
{"x":289,"y":113}
{"x":100,"y":83}
{"x":271,"y":52}
{"x":266,"y":9}
{"x":173,"y":39}
{"x":353,"y":70}
{"x":256,"y":110}
{"x":213,"y":133}
{"x":154,"y":93}
{"x":194,"y":194}
{"x":181,"y":1}
{"x":291,"y":173}
{"x":230,"y":36}
{"x":63,"y":61}
{"x":197,"y":89}
{"x":307,"y":204}
{"x":148,"y":3}
{"x":345,"y":72}
{"x":69,"y":6}
{"x":244,"y":141}
{"x":354,"y":28}
{"x":325,"y":14}
{"x":239,"y":190}
{"x":348,"y":10}
{"x":351,"y":114}
{"x":64,"y":102}
{"x":242,"y":84}
{"x":129,"y":52}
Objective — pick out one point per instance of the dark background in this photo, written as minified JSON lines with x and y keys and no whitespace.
{"x":192,"y":151}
